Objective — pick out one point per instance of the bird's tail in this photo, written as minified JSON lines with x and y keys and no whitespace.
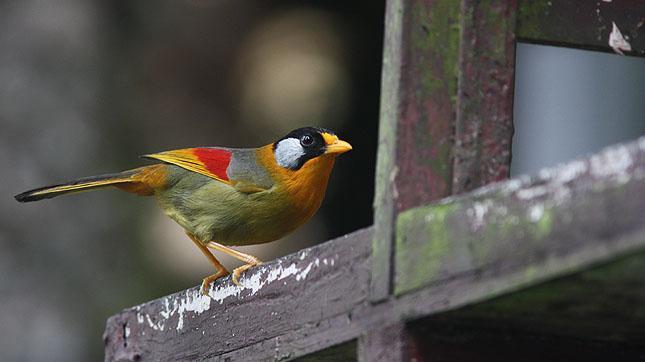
{"x":140,"y":181}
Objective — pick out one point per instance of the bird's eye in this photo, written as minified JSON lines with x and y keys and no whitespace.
{"x":307,"y":140}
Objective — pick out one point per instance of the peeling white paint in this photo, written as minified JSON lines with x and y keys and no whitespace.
{"x":196,"y":303}
{"x":570,"y":171}
{"x":536,"y":212}
{"x":303,"y":273}
{"x":617,"y":42}
{"x":259,"y":279}
{"x":613,"y":162}
{"x":167,"y":312}
{"x":531,"y":193}
{"x":513,"y":185}
{"x":193,"y":301}
{"x":556,"y":179}
{"x":506,"y":188}
{"x":478,"y":212}
{"x":159,"y":326}
{"x":127,"y":332}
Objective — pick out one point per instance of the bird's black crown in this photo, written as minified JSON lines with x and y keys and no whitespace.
{"x":310,"y":139}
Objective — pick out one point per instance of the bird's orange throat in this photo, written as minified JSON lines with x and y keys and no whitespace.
{"x":307,"y":185}
{"x":305,"y":188}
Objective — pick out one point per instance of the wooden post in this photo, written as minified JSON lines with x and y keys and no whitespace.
{"x":446,"y":122}
{"x":484,"y":120}
{"x":446,"y":109}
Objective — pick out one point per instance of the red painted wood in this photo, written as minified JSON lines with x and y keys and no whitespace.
{"x":427,"y":108}
{"x":484,"y":124}
{"x":455,"y":127}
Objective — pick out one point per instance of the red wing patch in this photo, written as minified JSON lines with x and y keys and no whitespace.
{"x":214,"y":160}
{"x":211,"y":162}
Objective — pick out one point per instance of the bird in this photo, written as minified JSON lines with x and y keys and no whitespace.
{"x":224,"y":197}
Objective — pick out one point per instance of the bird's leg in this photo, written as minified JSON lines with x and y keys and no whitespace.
{"x":250,"y":260}
{"x":221,"y":270}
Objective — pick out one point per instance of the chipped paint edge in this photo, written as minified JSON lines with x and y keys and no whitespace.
{"x":192,"y":303}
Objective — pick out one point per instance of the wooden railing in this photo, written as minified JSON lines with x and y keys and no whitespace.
{"x":436,"y":268}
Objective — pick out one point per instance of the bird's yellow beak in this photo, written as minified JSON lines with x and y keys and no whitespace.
{"x":334,"y":145}
{"x":338,"y":147}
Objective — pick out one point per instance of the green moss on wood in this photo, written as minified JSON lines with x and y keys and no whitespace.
{"x":530,"y":15}
{"x":435,"y":42}
{"x":423,"y":238}
{"x":428,"y":245}
{"x":544,"y":224}
{"x":499,"y":26}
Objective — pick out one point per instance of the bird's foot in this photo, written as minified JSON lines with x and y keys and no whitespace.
{"x":239,"y":270}
{"x":206,"y":282}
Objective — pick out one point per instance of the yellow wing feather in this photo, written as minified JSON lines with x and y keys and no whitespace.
{"x":186,"y":159}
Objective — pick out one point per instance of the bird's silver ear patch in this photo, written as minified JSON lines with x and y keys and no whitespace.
{"x":288,"y":153}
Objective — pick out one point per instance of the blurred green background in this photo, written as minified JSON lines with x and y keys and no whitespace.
{"x":86,"y":86}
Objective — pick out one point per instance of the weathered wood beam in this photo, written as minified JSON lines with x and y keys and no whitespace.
{"x":587,"y":209}
{"x":582,"y":24}
{"x":289,"y":294}
{"x":456,"y":252}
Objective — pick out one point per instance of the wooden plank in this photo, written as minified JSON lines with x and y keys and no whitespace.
{"x":319,"y":297}
{"x":582,"y":24}
{"x":299,"y":290}
{"x":567,"y":212}
{"x":484,"y":124}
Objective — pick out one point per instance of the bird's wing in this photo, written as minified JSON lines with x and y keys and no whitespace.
{"x":211,"y":162}
{"x":214,"y":163}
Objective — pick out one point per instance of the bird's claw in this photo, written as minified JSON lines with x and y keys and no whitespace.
{"x":237,"y":272}
{"x":206,"y":282}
